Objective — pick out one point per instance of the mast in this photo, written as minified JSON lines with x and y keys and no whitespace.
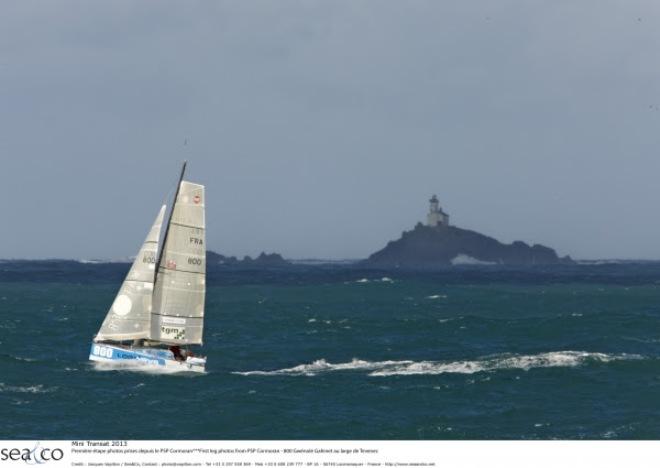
{"x":169,"y":220}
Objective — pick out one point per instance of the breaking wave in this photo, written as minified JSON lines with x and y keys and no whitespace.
{"x":11,"y":357}
{"x":139,"y":367}
{"x":323,"y":366}
{"x":462,"y":259}
{"x":24,"y":359}
{"x":384,"y":279}
{"x":505,"y":362}
{"x":500,"y":362}
{"x":25,"y":389}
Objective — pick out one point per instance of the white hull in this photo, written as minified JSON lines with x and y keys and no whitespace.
{"x":148,"y":359}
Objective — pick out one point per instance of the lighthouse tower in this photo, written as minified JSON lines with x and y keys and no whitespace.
{"x":436,"y":216}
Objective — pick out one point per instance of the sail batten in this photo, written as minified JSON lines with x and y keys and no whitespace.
{"x":178,"y":300}
{"x":129,"y":316}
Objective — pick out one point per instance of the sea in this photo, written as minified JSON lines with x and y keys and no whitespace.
{"x":339,"y":352}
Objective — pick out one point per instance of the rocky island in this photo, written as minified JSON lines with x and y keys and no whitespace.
{"x":263,"y":260}
{"x":438,"y":244}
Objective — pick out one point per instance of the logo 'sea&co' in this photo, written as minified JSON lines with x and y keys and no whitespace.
{"x":36,"y":456}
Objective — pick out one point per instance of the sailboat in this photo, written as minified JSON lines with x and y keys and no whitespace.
{"x":159,"y":309}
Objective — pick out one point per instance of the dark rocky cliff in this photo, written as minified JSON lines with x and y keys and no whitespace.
{"x":263,"y":260}
{"x":425,"y":247}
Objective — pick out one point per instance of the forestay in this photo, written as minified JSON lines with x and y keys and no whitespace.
{"x":178,"y":309}
{"x":129,"y":315}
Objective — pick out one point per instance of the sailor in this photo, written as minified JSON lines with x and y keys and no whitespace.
{"x":177,"y":353}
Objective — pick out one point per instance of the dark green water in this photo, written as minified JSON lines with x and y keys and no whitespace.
{"x":473,"y":354}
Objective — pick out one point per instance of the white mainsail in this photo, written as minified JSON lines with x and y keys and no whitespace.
{"x":130,"y":313}
{"x":178,"y":303}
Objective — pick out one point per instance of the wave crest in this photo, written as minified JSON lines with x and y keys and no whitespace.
{"x":494,"y":363}
{"x":25,"y":389}
{"x":139,"y":367}
{"x":323,"y":366}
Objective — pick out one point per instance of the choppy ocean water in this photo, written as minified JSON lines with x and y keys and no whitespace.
{"x":332,"y":353}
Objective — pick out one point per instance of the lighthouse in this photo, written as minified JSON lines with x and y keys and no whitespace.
{"x":436,"y":216}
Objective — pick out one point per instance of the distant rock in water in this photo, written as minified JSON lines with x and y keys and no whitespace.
{"x":443,"y":245}
{"x":264,"y":259}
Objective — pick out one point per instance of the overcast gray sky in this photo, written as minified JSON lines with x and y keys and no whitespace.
{"x":322,"y":128}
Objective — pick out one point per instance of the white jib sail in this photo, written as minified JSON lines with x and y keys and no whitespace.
{"x":130,"y":313}
{"x":178,"y":309}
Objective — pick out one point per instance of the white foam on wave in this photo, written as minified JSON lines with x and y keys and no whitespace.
{"x":524,"y":362}
{"x":24,"y":359}
{"x":95,"y":261}
{"x":641,"y":340}
{"x":323,"y":366}
{"x":25,"y":389}
{"x":20,"y":402}
{"x":501,"y":362}
{"x":450,"y":319}
{"x":139,"y":367}
{"x":463,"y":259}
{"x":384,"y":279}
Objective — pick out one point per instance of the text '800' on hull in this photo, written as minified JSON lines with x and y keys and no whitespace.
{"x":159,"y":309}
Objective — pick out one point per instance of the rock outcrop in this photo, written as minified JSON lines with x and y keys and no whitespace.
{"x":263,"y":260}
{"x":428,"y":247}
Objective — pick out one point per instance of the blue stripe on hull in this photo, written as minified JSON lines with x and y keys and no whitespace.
{"x":116,"y":354}
{"x":147,"y":357}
